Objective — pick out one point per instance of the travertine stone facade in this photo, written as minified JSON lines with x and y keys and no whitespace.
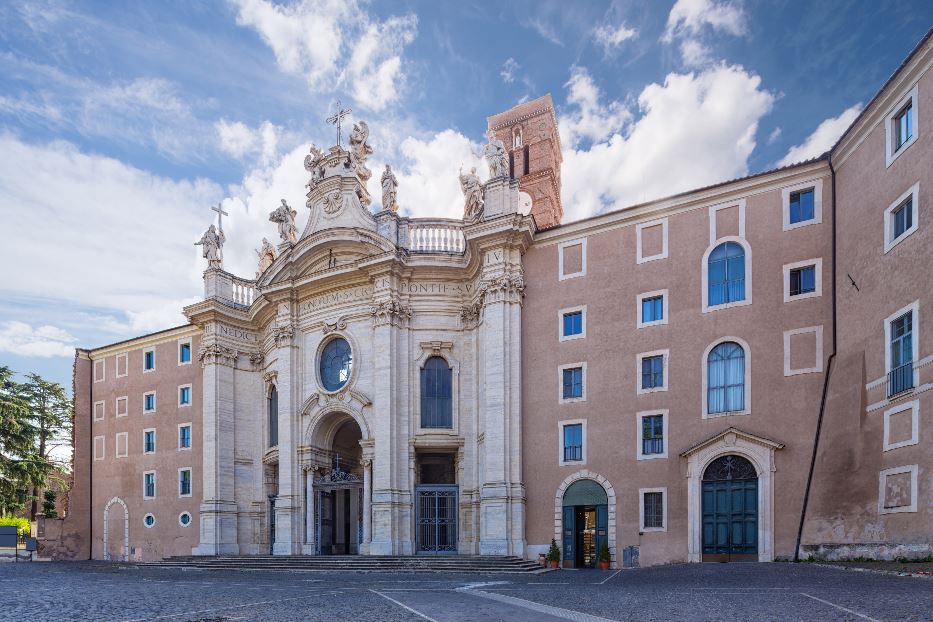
{"x":737,"y":372}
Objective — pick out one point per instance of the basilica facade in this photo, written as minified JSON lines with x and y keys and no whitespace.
{"x":733,"y":373}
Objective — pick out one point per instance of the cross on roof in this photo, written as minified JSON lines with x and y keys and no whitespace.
{"x":337,"y":117}
{"x":220,"y":215}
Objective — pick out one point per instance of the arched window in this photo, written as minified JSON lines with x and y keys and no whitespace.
{"x":436,"y":402}
{"x":273,"y":412}
{"x":726,"y":274}
{"x":725,"y":385}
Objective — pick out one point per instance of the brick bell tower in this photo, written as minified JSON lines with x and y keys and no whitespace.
{"x":529,"y":132}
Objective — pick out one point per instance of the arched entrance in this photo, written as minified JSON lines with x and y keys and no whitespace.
{"x":116,"y":546}
{"x":337,"y":490}
{"x":585,"y":523}
{"x":730,"y":510}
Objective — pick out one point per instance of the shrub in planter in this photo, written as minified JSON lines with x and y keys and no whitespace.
{"x":22,"y":525}
{"x":553,"y":554}
{"x":48,"y":505}
{"x":604,"y":557}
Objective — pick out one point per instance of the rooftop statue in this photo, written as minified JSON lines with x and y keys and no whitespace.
{"x":472,"y":195}
{"x":314,"y":165}
{"x":211,"y":242}
{"x":496,"y":157}
{"x":360,"y":150}
{"x":389,"y":190}
{"x":266,"y":255}
{"x":284,"y":216}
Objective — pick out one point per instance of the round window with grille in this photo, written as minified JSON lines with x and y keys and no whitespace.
{"x":336,"y":364}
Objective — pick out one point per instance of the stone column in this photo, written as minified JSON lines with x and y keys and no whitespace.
{"x":218,"y":510}
{"x":308,"y":548}
{"x":288,"y":501}
{"x":367,"y":505}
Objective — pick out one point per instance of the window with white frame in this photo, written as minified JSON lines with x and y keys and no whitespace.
{"x":572,"y":323}
{"x":571,"y":258}
{"x":652,"y":371}
{"x":900,"y":332}
{"x":802,"y":204}
{"x":122,"y":406}
{"x":901,"y":218}
{"x":149,"y":485}
{"x":99,"y":448}
{"x":122,"y":445}
{"x":572,"y":442}
{"x":897,"y":489}
{"x":901,"y":126}
{"x":184,"y":395}
{"x":184,"y":436}
{"x":184,"y":482}
{"x":149,"y":402}
{"x":651,"y":241}
{"x":184,"y":352}
{"x":726,"y":274}
{"x":149,"y":441}
{"x":122,"y":366}
{"x":652,"y":509}
{"x":803,"y":279}
{"x":652,"y":308}
{"x":572,"y":379}
{"x":726,"y":379}
{"x":901,"y":425}
{"x":651,"y":434}
{"x":149,"y":521}
{"x":149,"y":360}
{"x":100,"y":370}
{"x":100,"y":410}
{"x":184,"y":519}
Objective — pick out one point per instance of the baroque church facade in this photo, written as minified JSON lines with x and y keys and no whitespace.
{"x":731,"y":373}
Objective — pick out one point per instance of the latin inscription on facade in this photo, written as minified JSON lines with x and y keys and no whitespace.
{"x":232,"y":332}
{"x":365,"y":293}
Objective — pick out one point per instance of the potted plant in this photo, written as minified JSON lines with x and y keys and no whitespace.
{"x":604,"y":557}
{"x":553,"y":554}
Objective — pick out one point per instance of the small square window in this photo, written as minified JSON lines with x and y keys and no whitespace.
{"x":184,"y":352}
{"x":573,"y":442}
{"x":184,"y":482}
{"x":802,"y":280}
{"x":149,"y":360}
{"x":184,"y":436}
{"x":573,"y":383}
{"x":149,"y":402}
{"x":801,"y":206}
{"x":149,"y":441}
{"x":573,"y":323}
{"x":652,"y":309}
{"x":149,"y":485}
{"x":184,"y":396}
{"x":653,"y":510}
{"x":903,"y":125}
{"x":652,"y":372}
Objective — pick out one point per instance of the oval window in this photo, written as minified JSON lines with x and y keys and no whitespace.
{"x":184,"y":519}
{"x":336,"y":364}
{"x":149,"y":520}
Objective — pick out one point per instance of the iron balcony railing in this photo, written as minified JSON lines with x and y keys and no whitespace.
{"x":901,"y":379}
{"x":573,"y":453}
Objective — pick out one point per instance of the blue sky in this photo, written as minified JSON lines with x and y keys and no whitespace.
{"x":120,"y":123}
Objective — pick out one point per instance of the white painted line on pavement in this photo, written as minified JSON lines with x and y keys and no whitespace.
{"x":188,"y":613}
{"x":616,"y":573}
{"x":841,"y":608}
{"x":567,"y":614}
{"x":404,"y":606}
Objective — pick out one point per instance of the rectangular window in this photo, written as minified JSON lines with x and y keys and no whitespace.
{"x":184,"y":396}
{"x":149,"y":402}
{"x":184,"y":436}
{"x":149,"y":441}
{"x":99,"y":448}
{"x":802,"y":280}
{"x":573,"y":442}
{"x":653,"y":510}
{"x":149,"y":483}
{"x":573,"y":383}
{"x":99,"y":410}
{"x":901,"y":375}
{"x":652,"y":309}
{"x":121,"y":406}
{"x":149,"y":360}
{"x":903,"y":126}
{"x":573,"y":323}
{"x":652,"y":435}
{"x":184,"y":482}
{"x":652,"y":372}
{"x":801,"y":206}
{"x":122,"y":448}
{"x":902,"y":218}
{"x":100,"y":370}
{"x":184,"y":352}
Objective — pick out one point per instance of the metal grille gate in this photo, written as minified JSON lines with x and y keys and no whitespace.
{"x":437,"y":519}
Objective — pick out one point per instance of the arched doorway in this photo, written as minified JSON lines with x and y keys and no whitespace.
{"x":730,"y":510}
{"x":337,"y":491}
{"x":585,"y":523}
{"x":116,"y":546}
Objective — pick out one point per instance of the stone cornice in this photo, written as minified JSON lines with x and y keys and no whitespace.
{"x":216,"y":354}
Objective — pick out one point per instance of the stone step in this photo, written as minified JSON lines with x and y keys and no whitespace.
{"x":355,"y":563}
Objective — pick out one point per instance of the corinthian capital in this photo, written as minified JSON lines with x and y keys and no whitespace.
{"x":216,"y":354}
{"x":390,"y":312}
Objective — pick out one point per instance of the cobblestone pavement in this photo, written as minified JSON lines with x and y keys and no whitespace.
{"x":758,"y":592}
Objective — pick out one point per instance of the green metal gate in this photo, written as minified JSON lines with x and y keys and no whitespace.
{"x":730,"y":511}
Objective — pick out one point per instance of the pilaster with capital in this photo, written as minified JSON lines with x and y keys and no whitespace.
{"x":288,"y":503}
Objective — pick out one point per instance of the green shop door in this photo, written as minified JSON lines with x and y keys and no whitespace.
{"x":585,"y":524}
{"x":730,"y":511}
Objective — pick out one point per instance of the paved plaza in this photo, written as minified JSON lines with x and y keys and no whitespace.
{"x":759,"y":592}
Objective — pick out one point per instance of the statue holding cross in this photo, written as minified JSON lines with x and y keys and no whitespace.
{"x":212,"y":241}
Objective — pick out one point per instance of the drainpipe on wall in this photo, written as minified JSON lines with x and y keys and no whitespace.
{"x":90,"y":462}
{"x":829,"y":369}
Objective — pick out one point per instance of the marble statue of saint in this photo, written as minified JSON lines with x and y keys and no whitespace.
{"x":266,"y":255}
{"x":314,"y":165}
{"x":211,"y":244}
{"x":284,"y":216}
{"x":472,"y":195}
{"x":389,"y":190}
{"x":360,"y":150}
{"x":496,"y":157}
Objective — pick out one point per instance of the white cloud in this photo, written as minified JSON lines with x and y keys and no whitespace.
{"x":335,"y":44}
{"x":611,"y":37}
{"x":21,"y":339}
{"x":509,"y":67}
{"x":695,"y":53}
{"x":774,"y":135}
{"x":693,"y":130}
{"x":823,"y":137}
{"x":691,"y":21}
{"x":591,"y":120}
{"x":239,"y":140}
{"x":544,"y":29}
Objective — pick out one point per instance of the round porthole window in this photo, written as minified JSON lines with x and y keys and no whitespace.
{"x":184,"y":519}
{"x":148,"y":520}
{"x":336,"y":364}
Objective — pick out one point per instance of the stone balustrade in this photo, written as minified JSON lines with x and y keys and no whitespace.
{"x":436,"y":235}
{"x":243,"y":291}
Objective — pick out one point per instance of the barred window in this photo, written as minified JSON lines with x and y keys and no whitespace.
{"x":654,"y":510}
